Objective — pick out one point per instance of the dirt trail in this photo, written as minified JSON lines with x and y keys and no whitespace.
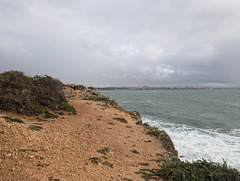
{"x":90,"y":146}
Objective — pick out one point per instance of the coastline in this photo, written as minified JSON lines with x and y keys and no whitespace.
{"x":101,"y":142}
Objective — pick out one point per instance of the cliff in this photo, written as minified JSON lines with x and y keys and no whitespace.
{"x":101,"y":142}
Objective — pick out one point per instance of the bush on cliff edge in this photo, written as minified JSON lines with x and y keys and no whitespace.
{"x":31,"y":95}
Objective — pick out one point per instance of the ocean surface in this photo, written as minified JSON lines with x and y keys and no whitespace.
{"x":201,"y":123}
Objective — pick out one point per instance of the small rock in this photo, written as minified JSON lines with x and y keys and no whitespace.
{"x":31,"y":157}
{"x":13,"y":169}
{"x":8,"y":155}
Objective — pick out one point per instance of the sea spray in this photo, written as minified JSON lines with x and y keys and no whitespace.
{"x":194,"y":143}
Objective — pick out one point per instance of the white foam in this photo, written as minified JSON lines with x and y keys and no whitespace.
{"x":194,"y":143}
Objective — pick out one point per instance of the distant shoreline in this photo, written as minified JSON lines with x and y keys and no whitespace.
{"x":162,"y":88}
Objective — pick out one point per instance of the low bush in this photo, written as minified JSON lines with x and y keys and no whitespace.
{"x":200,"y":170}
{"x":31,"y":95}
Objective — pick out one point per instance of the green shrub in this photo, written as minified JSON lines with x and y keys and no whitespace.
{"x":104,"y":150}
{"x":108,"y":164}
{"x":200,"y":170}
{"x":31,"y":95}
{"x":38,"y":110}
{"x":165,"y":139}
{"x":70,"y":109}
{"x":122,"y":120}
{"x":47,"y":114}
{"x":13,"y":120}
{"x":26,"y":150}
{"x":96,"y":98}
{"x":95,"y":160}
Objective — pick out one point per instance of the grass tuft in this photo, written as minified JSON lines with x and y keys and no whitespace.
{"x":144,"y":164}
{"x":35,"y":128}
{"x":13,"y":120}
{"x":135,"y":151}
{"x":122,"y":120}
{"x":43,"y":165}
{"x":25,"y":150}
{"x":108,"y":164}
{"x":104,"y":150}
{"x":95,"y":160}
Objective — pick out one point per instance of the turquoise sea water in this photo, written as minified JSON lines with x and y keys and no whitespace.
{"x":201,"y":123}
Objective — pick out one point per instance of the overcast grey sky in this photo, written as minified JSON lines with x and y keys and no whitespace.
{"x":123,"y":42}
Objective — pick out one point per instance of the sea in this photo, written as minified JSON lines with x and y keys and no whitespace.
{"x":203,"y":124}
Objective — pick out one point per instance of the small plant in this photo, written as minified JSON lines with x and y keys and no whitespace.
{"x":70,"y":109}
{"x":108,"y":164}
{"x":154,"y":131}
{"x":25,"y":150}
{"x":91,"y":88}
{"x":95,"y":160}
{"x":53,"y":179}
{"x":139,"y":122}
{"x":135,"y":151}
{"x":122,"y":120}
{"x":43,"y":165}
{"x":13,"y":120}
{"x":146,"y":125}
{"x":35,"y":128}
{"x":38,"y":110}
{"x":127,"y":179}
{"x":144,"y":164}
{"x":104,"y":150}
{"x":113,"y":103}
{"x":148,"y":141}
{"x":60,"y":113}
{"x":165,"y":139}
{"x":47,"y":114}
{"x":96,"y":98}
{"x":134,"y":114}
{"x":104,"y":157}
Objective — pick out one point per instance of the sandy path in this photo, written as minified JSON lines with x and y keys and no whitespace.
{"x":67,"y":148}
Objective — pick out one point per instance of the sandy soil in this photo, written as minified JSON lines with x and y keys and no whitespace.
{"x":89,"y":146}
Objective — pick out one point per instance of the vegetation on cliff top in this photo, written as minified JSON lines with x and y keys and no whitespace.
{"x":31,"y":95}
{"x":200,"y":170}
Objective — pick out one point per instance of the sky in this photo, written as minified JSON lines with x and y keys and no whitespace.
{"x":104,"y":43}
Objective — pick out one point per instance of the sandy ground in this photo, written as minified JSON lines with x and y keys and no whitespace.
{"x":89,"y":146}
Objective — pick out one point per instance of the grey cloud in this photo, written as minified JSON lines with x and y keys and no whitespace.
{"x":123,"y":43}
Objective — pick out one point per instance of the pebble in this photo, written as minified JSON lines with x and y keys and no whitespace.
{"x":8,"y":155}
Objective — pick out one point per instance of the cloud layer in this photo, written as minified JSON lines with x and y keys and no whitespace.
{"x":123,"y":43}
